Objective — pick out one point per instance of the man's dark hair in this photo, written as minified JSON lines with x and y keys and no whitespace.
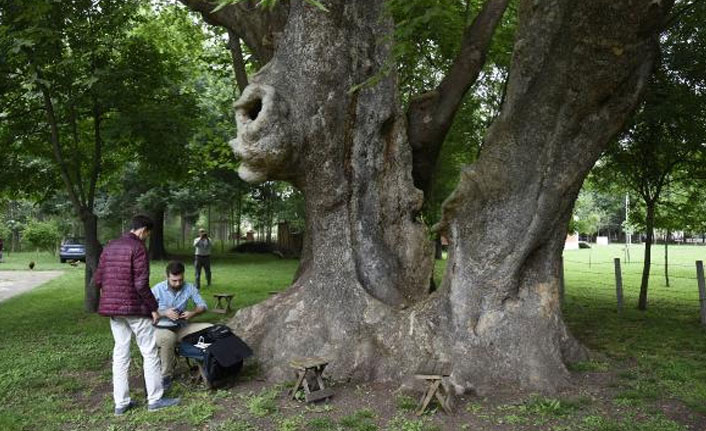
{"x":140,"y":221}
{"x":175,"y":268}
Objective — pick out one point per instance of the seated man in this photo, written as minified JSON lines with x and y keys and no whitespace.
{"x":173,"y":295}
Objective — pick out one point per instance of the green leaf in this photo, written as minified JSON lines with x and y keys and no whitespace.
{"x":317,"y":4}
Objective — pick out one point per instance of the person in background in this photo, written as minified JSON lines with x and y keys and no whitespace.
{"x":202,"y":258}
{"x":173,"y":296}
{"x":122,"y":278}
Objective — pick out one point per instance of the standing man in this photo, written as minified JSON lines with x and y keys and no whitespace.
{"x":173,"y":296}
{"x":203,"y":257}
{"x":122,"y":278}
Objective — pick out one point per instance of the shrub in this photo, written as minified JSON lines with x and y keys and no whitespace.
{"x":42,"y":235}
{"x":254,"y":247}
{"x":5,"y":233}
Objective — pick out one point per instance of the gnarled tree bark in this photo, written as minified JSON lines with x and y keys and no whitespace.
{"x":361,"y":295}
{"x":365,"y":255}
{"x":578,"y":71}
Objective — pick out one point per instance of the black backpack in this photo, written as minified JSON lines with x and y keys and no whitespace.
{"x":222,"y":358}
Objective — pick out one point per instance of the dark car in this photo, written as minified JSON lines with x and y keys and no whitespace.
{"x":72,"y":249}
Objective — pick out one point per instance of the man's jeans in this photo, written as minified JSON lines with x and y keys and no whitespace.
{"x":123,"y":328}
{"x":167,"y":341}
{"x":205,"y":263}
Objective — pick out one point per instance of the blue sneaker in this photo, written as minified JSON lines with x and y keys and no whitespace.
{"x":119,"y":411}
{"x":163,"y":403}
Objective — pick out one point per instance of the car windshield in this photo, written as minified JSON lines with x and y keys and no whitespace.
{"x":73,"y":241}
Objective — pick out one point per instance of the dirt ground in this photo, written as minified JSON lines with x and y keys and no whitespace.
{"x":15,"y":282}
{"x":370,"y":406}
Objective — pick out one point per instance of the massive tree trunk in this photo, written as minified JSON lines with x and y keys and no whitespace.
{"x":365,"y":255}
{"x":578,"y":70}
{"x":300,"y":121}
{"x":361,"y":293}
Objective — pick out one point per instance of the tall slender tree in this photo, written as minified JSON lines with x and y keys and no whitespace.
{"x":74,"y":73}
{"x":663,"y":147}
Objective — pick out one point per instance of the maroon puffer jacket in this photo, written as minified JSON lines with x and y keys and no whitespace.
{"x":123,"y":277}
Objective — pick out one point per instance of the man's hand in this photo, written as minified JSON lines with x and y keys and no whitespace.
{"x":171,"y":313}
{"x":187,"y":315}
{"x":155,"y":317}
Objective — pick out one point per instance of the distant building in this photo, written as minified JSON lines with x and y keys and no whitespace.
{"x":572,"y":241}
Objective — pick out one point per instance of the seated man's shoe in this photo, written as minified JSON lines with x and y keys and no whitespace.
{"x":163,"y":403}
{"x":119,"y":411}
{"x":166,"y":383}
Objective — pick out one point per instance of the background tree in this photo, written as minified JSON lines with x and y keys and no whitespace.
{"x":678,"y":208}
{"x":69,"y":84}
{"x":15,"y":216}
{"x":164,"y":124}
{"x":90,"y":87}
{"x":662,"y":148}
{"x":588,"y":217}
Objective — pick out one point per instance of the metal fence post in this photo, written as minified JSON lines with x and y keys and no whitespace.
{"x":702,"y":289}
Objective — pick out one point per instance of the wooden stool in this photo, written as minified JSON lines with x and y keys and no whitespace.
{"x":219,"y":307}
{"x":433,"y":372}
{"x":314,"y":366}
{"x":196,"y":372}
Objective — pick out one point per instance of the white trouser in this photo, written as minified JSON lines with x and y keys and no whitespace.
{"x":123,"y":328}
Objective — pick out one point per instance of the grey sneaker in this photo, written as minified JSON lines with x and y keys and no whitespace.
{"x":119,"y":411}
{"x":163,"y":403}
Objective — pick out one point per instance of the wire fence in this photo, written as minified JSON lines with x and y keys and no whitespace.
{"x":632,"y":263}
{"x":677,"y":285}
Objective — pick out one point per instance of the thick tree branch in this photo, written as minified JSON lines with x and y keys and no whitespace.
{"x":97,"y":154}
{"x":431,"y":114}
{"x":241,"y":76}
{"x":258,"y":27}
{"x":56,"y":145}
{"x":77,"y":154}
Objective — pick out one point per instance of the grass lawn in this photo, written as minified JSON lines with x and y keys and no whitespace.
{"x":43,"y":261}
{"x":648,"y":370}
{"x":660,"y":354}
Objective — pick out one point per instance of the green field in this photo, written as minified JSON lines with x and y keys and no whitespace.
{"x":55,"y":361}
{"x":661,"y":352}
